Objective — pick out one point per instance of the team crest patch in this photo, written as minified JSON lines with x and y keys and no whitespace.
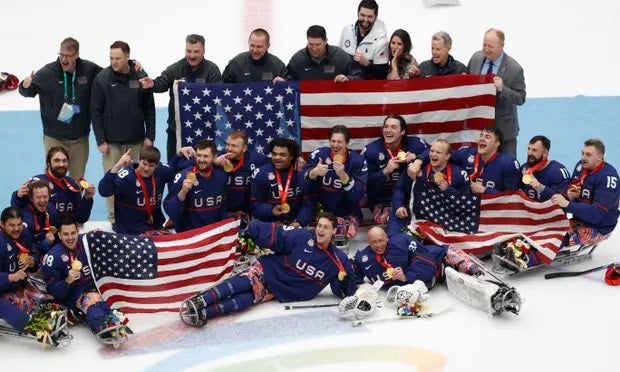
{"x":64,"y":258}
{"x":364,"y":258}
{"x":579,"y":168}
{"x":51,"y":186}
{"x":271,"y":176}
{"x":347,"y":43}
{"x":328,"y":161}
{"x":137,"y":183}
{"x":8,"y":247}
{"x":381,"y":156}
{"x":470,"y":159}
{"x":311,"y":243}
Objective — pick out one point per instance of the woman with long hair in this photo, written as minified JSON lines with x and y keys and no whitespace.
{"x":402,"y":64}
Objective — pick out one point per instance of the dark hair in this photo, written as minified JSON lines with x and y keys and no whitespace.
{"x":150,"y":154}
{"x":340,"y":129}
{"x":317,"y":31}
{"x":261,"y":32}
{"x":52,"y":151}
{"x":597,"y":143}
{"x":403,"y":123}
{"x":120,"y":45}
{"x":329,"y":216}
{"x":10,"y":212}
{"x":207,"y":144}
{"x":495,"y":131}
{"x":291,"y":145}
{"x":405,"y":57}
{"x":70,"y":44}
{"x":195,"y":38}
{"x":544,"y":140}
{"x":369,"y":4}
{"x":38,"y":184}
{"x":68,"y":220}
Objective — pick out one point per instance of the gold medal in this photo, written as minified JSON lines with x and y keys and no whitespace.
{"x":338,"y":158}
{"x":228,"y":167}
{"x":527,"y":179}
{"x":52,"y":229}
{"x":341,"y":274}
{"x":390,"y":272}
{"x":150,"y":220}
{"x":402,"y":155}
{"x":574,"y":188}
{"x":191,"y":176}
{"x":76,"y":265}
{"x":23,"y":257}
{"x":84,"y":183}
{"x":438,"y":176}
{"x":285,"y":207}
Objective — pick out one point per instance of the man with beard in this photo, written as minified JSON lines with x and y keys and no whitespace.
{"x":240,"y":163}
{"x":40,"y":216}
{"x":17,"y":257}
{"x":71,"y":198}
{"x":198,"y":195}
{"x":442,"y":62}
{"x":137,"y":191}
{"x":366,"y":41}
{"x":193,"y":68}
{"x":541,"y":177}
{"x":257,"y":64}
{"x":321,"y":61}
{"x":437,"y":173}
{"x":64,"y":88}
{"x":279,"y":192}
{"x":490,"y":170}
{"x":339,"y":177}
{"x":387,"y":158}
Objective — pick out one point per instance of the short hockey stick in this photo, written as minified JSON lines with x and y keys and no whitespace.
{"x":296,"y":307}
{"x":565,"y":274}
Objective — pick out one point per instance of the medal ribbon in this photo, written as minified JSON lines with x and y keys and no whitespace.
{"x":239,"y":164}
{"x":284,"y":192}
{"x":36,"y":220}
{"x":344,"y":156}
{"x":477,"y":173}
{"x":22,"y":248}
{"x":147,"y":201}
{"x":334,"y":259}
{"x":387,"y":148}
{"x":64,"y":75}
{"x":209,"y":172}
{"x":585,"y":174}
{"x":448,"y":173}
{"x":382,"y":261}
{"x":71,"y":258}
{"x":536,"y":167}
{"x":62,"y":183}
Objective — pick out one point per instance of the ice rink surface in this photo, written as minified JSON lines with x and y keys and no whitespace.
{"x":565,"y":324}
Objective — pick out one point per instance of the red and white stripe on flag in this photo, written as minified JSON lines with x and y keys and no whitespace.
{"x":187,"y":263}
{"x":454,"y":107}
{"x":505,"y":216}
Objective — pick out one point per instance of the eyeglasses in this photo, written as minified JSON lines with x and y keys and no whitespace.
{"x":62,"y":55}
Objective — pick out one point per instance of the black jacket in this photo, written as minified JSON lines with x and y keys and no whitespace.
{"x":336,"y":62}
{"x":122,"y":111}
{"x":244,"y":69}
{"x":207,"y":72}
{"x":48,"y":83}
{"x":452,"y":67}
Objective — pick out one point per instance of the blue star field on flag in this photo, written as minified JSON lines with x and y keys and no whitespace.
{"x":263,"y":110}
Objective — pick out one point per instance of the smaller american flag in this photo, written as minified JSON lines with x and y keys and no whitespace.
{"x":474,"y":223}
{"x":155,"y":274}
{"x":263,"y":110}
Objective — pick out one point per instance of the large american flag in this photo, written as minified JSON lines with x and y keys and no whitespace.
{"x":155,"y":274}
{"x":475,"y":223}
{"x":451,"y":107}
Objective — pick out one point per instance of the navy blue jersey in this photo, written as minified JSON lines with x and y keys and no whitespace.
{"x":418,"y":262}
{"x":500,"y":174}
{"x":204,"y":204}
{"x":55,"y":269}
{"x":9,"y":259}
{"x":597,"y":204}
{"x":379,"y":186}
{"x":39,"y":228}
{"x":265,"y":196}
{"x":299,"y":269}
{"x":332,"y":194}
{"x":554,"y":177}
{"x":238,"y":192}
{"x":66,"y":196}
{"x":130,"y":212}
{"x":458,"y":183}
